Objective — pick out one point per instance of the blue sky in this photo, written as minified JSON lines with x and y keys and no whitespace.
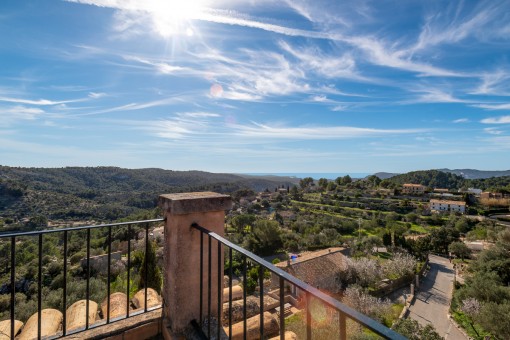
{"x":256,"y":86}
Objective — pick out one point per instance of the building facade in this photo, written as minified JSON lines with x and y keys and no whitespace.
{"x":413,"y":189}
{"x":447,"y":206}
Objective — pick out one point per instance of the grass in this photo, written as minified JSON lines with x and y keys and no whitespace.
{"x":418,"y":229}
{"x":464,"y":322}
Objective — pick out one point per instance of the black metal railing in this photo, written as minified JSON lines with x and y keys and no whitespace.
{"x":344,"y":312}
{"x":14,"y":238}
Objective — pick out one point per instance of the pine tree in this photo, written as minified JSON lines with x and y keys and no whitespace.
{"x":154,"y":279}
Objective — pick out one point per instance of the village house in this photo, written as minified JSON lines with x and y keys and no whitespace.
{"x":491,"y":195}
{"x":318,"y":269}
{"x":447,"y":206}
{"x":413,"y":189}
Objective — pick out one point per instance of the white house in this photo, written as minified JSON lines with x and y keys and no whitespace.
{"x":447,"y":206}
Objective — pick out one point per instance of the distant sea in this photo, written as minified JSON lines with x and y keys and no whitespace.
{"x":314,"y":175}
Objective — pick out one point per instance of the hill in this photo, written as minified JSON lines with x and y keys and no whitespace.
{"x":385,"y":175}
{"x":106,"y":193}
{"x":477,"y":174}
{"x":430,"y":178}
{"x":440,"y":179}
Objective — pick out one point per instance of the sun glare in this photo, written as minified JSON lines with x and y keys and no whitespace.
{"x":172,"y":17}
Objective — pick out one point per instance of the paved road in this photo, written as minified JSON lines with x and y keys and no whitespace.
{"x":433,"y":300}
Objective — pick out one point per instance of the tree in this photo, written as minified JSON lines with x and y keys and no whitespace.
{"x":265,"y":238}
{"x":459,"y":249}
{"x":411,"y":329}
{"x":37,"y":222}
{"x":471,"y":307}
{"x":367,"y":304}
{"x":374,"y":180}
{"x":494,"y":318}
{"x":154,"y":279}
{"x":346,"y":179}
{"x":323,"y":183}
{"x":442,"y":237}
{"x":306,"y":182}
{"x":239,"y":222}
{"x":296,"y":194}
{"x":402,"y":264}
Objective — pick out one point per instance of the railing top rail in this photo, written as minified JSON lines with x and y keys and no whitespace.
{"x":332,"y":302}
{"x":56,"y":230}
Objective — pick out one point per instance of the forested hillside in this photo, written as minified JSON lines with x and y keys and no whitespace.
{"x":477,"y":174}
{"x":431,"y":178}
{"x":106,"y":193}
{"x":440,"y":179}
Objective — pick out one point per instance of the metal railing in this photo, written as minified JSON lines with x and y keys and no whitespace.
{"x":344,"y":311}
{"x":65,"y":236}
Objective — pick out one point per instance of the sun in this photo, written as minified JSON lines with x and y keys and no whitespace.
{"x":173,"y":17}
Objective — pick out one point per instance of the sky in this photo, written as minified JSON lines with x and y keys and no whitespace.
{"x":256,"y":86}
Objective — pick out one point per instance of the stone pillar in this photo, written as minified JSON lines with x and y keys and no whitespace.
{"x":412,"y":289}
{"x":417,"y":281}
{"x":181,"y":270}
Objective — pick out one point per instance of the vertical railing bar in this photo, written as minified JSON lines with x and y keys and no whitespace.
{"x":39,"y":288}
{"x":13,"y":283}
{"x":245,"y":269}
{"x":128,"y":268}
{"x":108,"y":273}
{"x":261,"y":296}
{"x":220,"y":292}
{"x":201,"y":277}
{"x":209,"y":278}
{"x":282,"y":306}
{"x":87,"y":307}
{"x":342,"y":325}
{"x":146,"y":263}
{"x":308,"y":316}
{"x":230,"y":295}
{"x":64,"y":293}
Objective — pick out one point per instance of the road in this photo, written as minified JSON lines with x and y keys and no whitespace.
{"x":433,"y":299}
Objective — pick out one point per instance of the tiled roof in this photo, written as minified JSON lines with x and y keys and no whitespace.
{"x":448,"y":202}
{"x":318,"y":269}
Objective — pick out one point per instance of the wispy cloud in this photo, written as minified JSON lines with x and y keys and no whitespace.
{"x":433,"y":95}
{"x":329,"y":66}
{"x":17,"y":112}
{"x":494,"y":83}
{"x":496,"y":120}
{"x":493,"y":131}
{"x":97,"y":95}
{"x":452,"y":27}
{"x":461,"y":120}
{"x":315,"y":133}
{"x":493,"y":106}
{"x":40,"y":102}
{"x":161,"y":67}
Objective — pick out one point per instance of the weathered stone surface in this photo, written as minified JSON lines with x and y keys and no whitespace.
{"x":153,"y":299}
{"x":253,"y":327}
{"x":51,"y":322}
{"x":143,"y":326}
{"x":194,"y":202}
{"x":118,"y":305}
{"x":75,"y":314}
{"x":287,"y":336}
{"x":182,"y":249}
{"x":237,"y":293}
{"x":5,"y":328}
{"x":252,"y":308}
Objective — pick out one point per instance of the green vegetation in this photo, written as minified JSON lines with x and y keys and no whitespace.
{"x":482,"y":304}
{"x":364,"y":215}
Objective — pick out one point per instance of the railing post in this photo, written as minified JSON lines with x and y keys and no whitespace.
{"x":181,"y":268}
